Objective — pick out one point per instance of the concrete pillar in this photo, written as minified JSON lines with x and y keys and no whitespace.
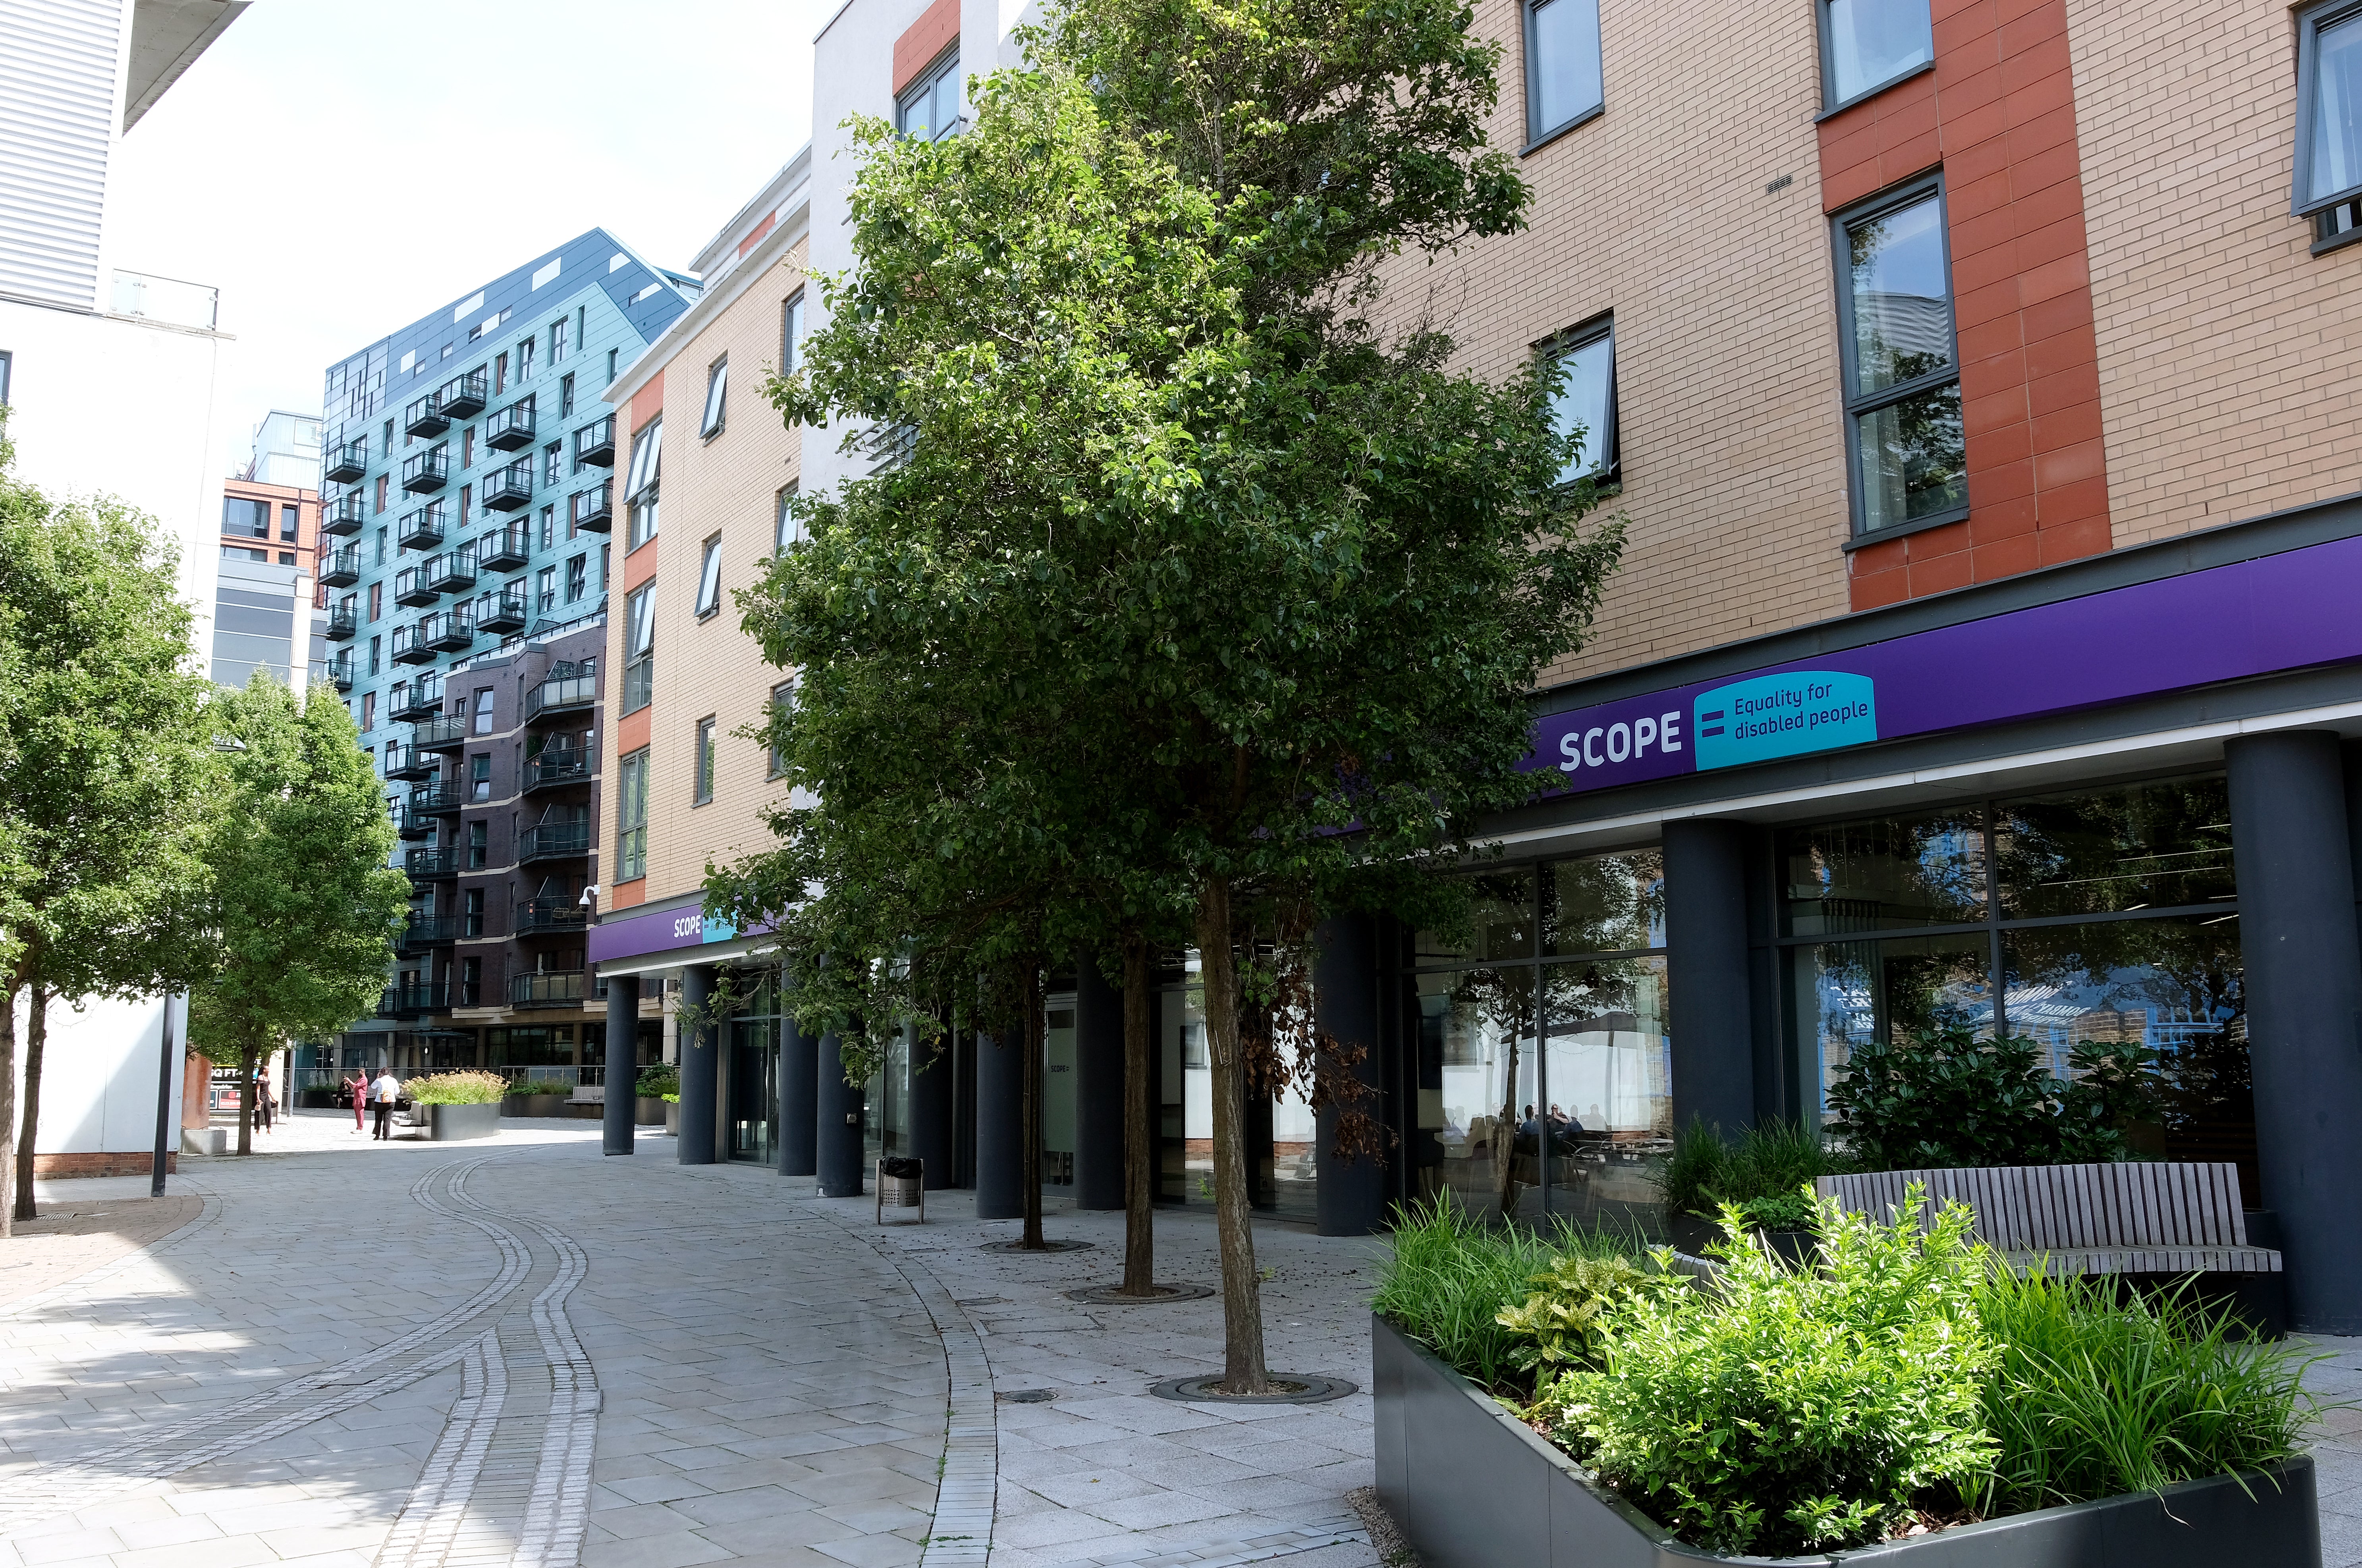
{"x":2303,"y":962}
{"x":999,"y":1127}
{"x":700,"y":1071}
{"x":1706,"y":974}
{"x":932,"y":1074}
{"x":1098,"y":1089}
{"x":799,"y":1102}
{"x":623,"y":1064}
{"x":1350,"y":1196}
{"x":838,"y":1123}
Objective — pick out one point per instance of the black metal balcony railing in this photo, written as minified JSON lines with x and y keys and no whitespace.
{"x":512,"y":428}
{"x":539,"y":917}
{"x":442,"y":732}
{"x":422,"y":700}
{"x":639,"y":683}
{"x":422,"y":529}
{"x":347,"y":462}
{"x":343,"y":622}
{"x":438,"y":799}
{"x":434,"y":861}
{"x":428,"y":472}
{"x":593,"y":511}
{"x":422,"y":932}
{"x":411,"y":824}
{"x":553,"y":841}
{"x":560,"y":765}
{"x":454,"y":572}
{"x":407,"y":762}
{"x":410,"y":588}
{"x":343,"y":568}
{"x":567,"y":695}
{"x":506,"y":614}
{"x":463,"y":396}
{"x":508,"y":490}
{"x":409,"y":1002}
{"x":449,"y":631}
{"x":346,"y":514}
{"x":546,"y":990}
{"x":409,"y":646}
{"x":422,"y":418}
{"x":340,"y":670}
{"x":596,"y":443}
{"x":504,"y":549}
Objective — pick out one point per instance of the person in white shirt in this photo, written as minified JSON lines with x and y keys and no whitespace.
{"x":384,"y":1092}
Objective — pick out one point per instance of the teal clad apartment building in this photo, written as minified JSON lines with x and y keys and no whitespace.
{"x":469,"y":469}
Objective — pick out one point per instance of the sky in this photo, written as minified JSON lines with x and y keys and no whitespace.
{"x":340,"y":168}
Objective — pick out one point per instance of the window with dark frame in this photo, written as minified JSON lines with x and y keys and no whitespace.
{"x":631,"y":817}
{"x":1586,"y":396}
{"x":479,"y":846}
{"x":717,"y":389}
{"x":1869,"y":45}
{"x":1905,"y":448}
{"x":709,"y":579}
{"x":787,"y":528}
{"x":8,"y":363}
{"x":783,"y":697}
{"x":702,"y":789}
{"x":928,"y":110}
{"x":2329,"y":121}
{"x":1563,"y":85}
{"x":791,"y":332}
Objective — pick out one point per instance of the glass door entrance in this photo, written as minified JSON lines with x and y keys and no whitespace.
{"x":754,"y":1090}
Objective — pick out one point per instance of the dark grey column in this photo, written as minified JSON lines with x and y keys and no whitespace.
{"x":838,"y":1123}
{"x":2298,"y":942}
{"x":999,"y":1128}
{"x":622,"y":1062}
{"x":930,"y":1114}
{"x":1706,"y":974}
{"x":700,"y":1071}
{"x":1098,"y":1089}
{"x":799,"y":1102}
{"x":1350,"y":1196}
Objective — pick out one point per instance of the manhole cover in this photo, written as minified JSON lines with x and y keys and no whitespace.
{"x":1287,"y":1388}
{"x":980,"y":1302}
{"x":1113,"y":1296}
{"x":1027,"y":1396}
{"x":1044,"y":1247}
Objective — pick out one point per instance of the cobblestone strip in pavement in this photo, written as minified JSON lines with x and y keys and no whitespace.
{"x":432,"y":1515}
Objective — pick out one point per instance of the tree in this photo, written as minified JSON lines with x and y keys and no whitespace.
{"x":102,"y":773}
{"x":303,"y":906}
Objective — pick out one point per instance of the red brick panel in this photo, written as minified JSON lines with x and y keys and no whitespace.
{"x":1998,"y":115}
{"x":925,"y":40}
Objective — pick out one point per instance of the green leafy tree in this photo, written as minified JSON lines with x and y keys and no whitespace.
{"x":103,"y":764}
{"x":303,"y":908}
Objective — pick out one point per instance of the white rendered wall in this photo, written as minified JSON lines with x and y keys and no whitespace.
{"x":98,"y":1074}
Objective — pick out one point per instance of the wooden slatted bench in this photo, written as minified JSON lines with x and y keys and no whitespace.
{"x":2136,"y":1217}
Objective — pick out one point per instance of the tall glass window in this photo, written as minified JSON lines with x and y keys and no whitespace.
{"x":1545,"y":1044}
{"x":1909,"y":455}
{"x":1869,"y":44}
{"x":702,"y":789}
{"x":631,"y":817}
{"x":753,"y":1089}
{"x":1563,"y":82}
{"x":2329,"y":115}
{"x":928,"y":110}
{"x":1584,"y":404}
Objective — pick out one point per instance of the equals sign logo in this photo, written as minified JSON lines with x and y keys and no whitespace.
{"x":1715,"y":715}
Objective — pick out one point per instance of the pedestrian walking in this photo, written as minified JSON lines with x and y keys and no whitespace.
{"x":262,"y":1101}
{"x":385,"y":1091}
{"x":358,"y":1087}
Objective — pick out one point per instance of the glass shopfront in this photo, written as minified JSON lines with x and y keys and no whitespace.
{"x":1280,"y":1133}
{"x":751,"y":1092}
{"x":1544,"y":1042}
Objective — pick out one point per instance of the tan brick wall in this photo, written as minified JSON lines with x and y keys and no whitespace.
{"x":726,"y":486}
{"x":2225,"y":373}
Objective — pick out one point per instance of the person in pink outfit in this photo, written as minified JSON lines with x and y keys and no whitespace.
{"x":358,"y":1084}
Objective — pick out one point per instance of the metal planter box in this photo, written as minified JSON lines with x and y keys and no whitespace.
{"x":1475,"y":1487}
{"x":649,"y":1110}
{"x":448,"y":1123}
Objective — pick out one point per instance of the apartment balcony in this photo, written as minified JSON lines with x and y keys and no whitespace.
{"x":508,"y":549}
{"x":566,"y":694}
{"x":507,"y":613}
{"x":440,"y":799}
{"x":411,"y":588}
{"x":340,"y":670}
{"x":422,"y":529}
{"x":508,"y":490}
{"x":547,"y":917}
{"x":408,"y":762}
{"x":346,"y":463}
{"x":449,"y":631}
{"x":432,"y":864}
{"x":553,"y":841}
{"x":344,"y":515}
{"x":423,"y":699}
{"x":464,"y":397}
{"x":408,"y":823}
{"x":423,"y":417}
{"x":593,"y":511}
{"x":424,"y":932}
{"x":344,"y":567}
{"x":445,"y":732}
{"x":409,"y":645}
{"x":428,"y":472}
{"x":453,"y":572}
{"x":410,"y":1001}
{"x":512,"y":428}
{"x":343,"y":622}
{"x":639,"y":683}
{"x":560,"y":765}
{"x":596,"y":443}
{"x":546,"y":990}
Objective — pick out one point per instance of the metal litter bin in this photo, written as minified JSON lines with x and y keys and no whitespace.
{"x":901,"y":1184}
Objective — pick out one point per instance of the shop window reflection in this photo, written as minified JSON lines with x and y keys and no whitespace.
{"x":2154,"y":846}
{"x":1849,"y":993}
{"x":1607,"y":904}
{"x":1884,"y":873}
{"x":1501,"y":923}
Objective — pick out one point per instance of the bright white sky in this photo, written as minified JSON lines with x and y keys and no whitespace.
{"x":340,"y":168}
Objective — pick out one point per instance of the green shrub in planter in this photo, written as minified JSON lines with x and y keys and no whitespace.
{"x":1943,"y":1098}
{"x":658,"y":1081}
{"x":456,"y":1088}
{"x":540,"y":1086}
{"x":1770,"y":1162}
{"x":1559,"y":1324}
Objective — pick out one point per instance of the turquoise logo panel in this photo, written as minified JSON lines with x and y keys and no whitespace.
{"x":1783,"y":715}
{"x":712,"y":930}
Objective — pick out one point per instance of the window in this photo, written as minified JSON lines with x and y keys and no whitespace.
{"x":639,"y":645}
{"x":380,"y":546}
{"x":524,"y":358}
{"x":467,"y":500}
{"x":472,"y":922}
{"x":717,"y":386}
{"x":552,"y":471}
{"x":1586,"y":398}
{"x":565,"y":395}
{"x":703,"y":784}
{"x":578,"y":578}
{"x":631,"y":817}
{"x":2329,"y":118}
{"x":783,"y":699}
{"x":377,"y":649}
{"x":544,"y":589}
{"x":602,"y":567}
{"x":787,"y":528}
{"x":1870,"y":44}
{"x":480,"y":777}
{"x":468,"y":447}
{"x":382,"y":490}
{"x":240,"y":516}
{"x":286,"y":557}
{"x":791,"y":333}
{"x":480,"y":844}
{"x":557,"y":330}
{"x":290,"y":525}
{"x":369,"y":708}
{"x":709,"y":579}
{"x":484,"y":715}
{"x":1562,"y":83}
{"x":472,"y":982}
{"x":397,"y":696}
{"x":611,"y":364}
{"x":1901,"y":376}
{"x":549,"y":527}
{"x":377,"y":600}
{"x":500,"y":372}
{"x":8,"y":362}
{"x":929,"y":111}
{"x":640,"y":484}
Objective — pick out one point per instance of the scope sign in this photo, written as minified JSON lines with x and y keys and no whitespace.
{"x":1783,"y":715}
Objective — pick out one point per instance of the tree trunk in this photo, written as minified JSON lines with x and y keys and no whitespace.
{"x":246,"y":1055}
{"x":1030,"y":1097}
{"x":1139,"y":1217}
{"x":1242,"y":1367}
{"x":37,"y":1036}
{"x":8,"y":987}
